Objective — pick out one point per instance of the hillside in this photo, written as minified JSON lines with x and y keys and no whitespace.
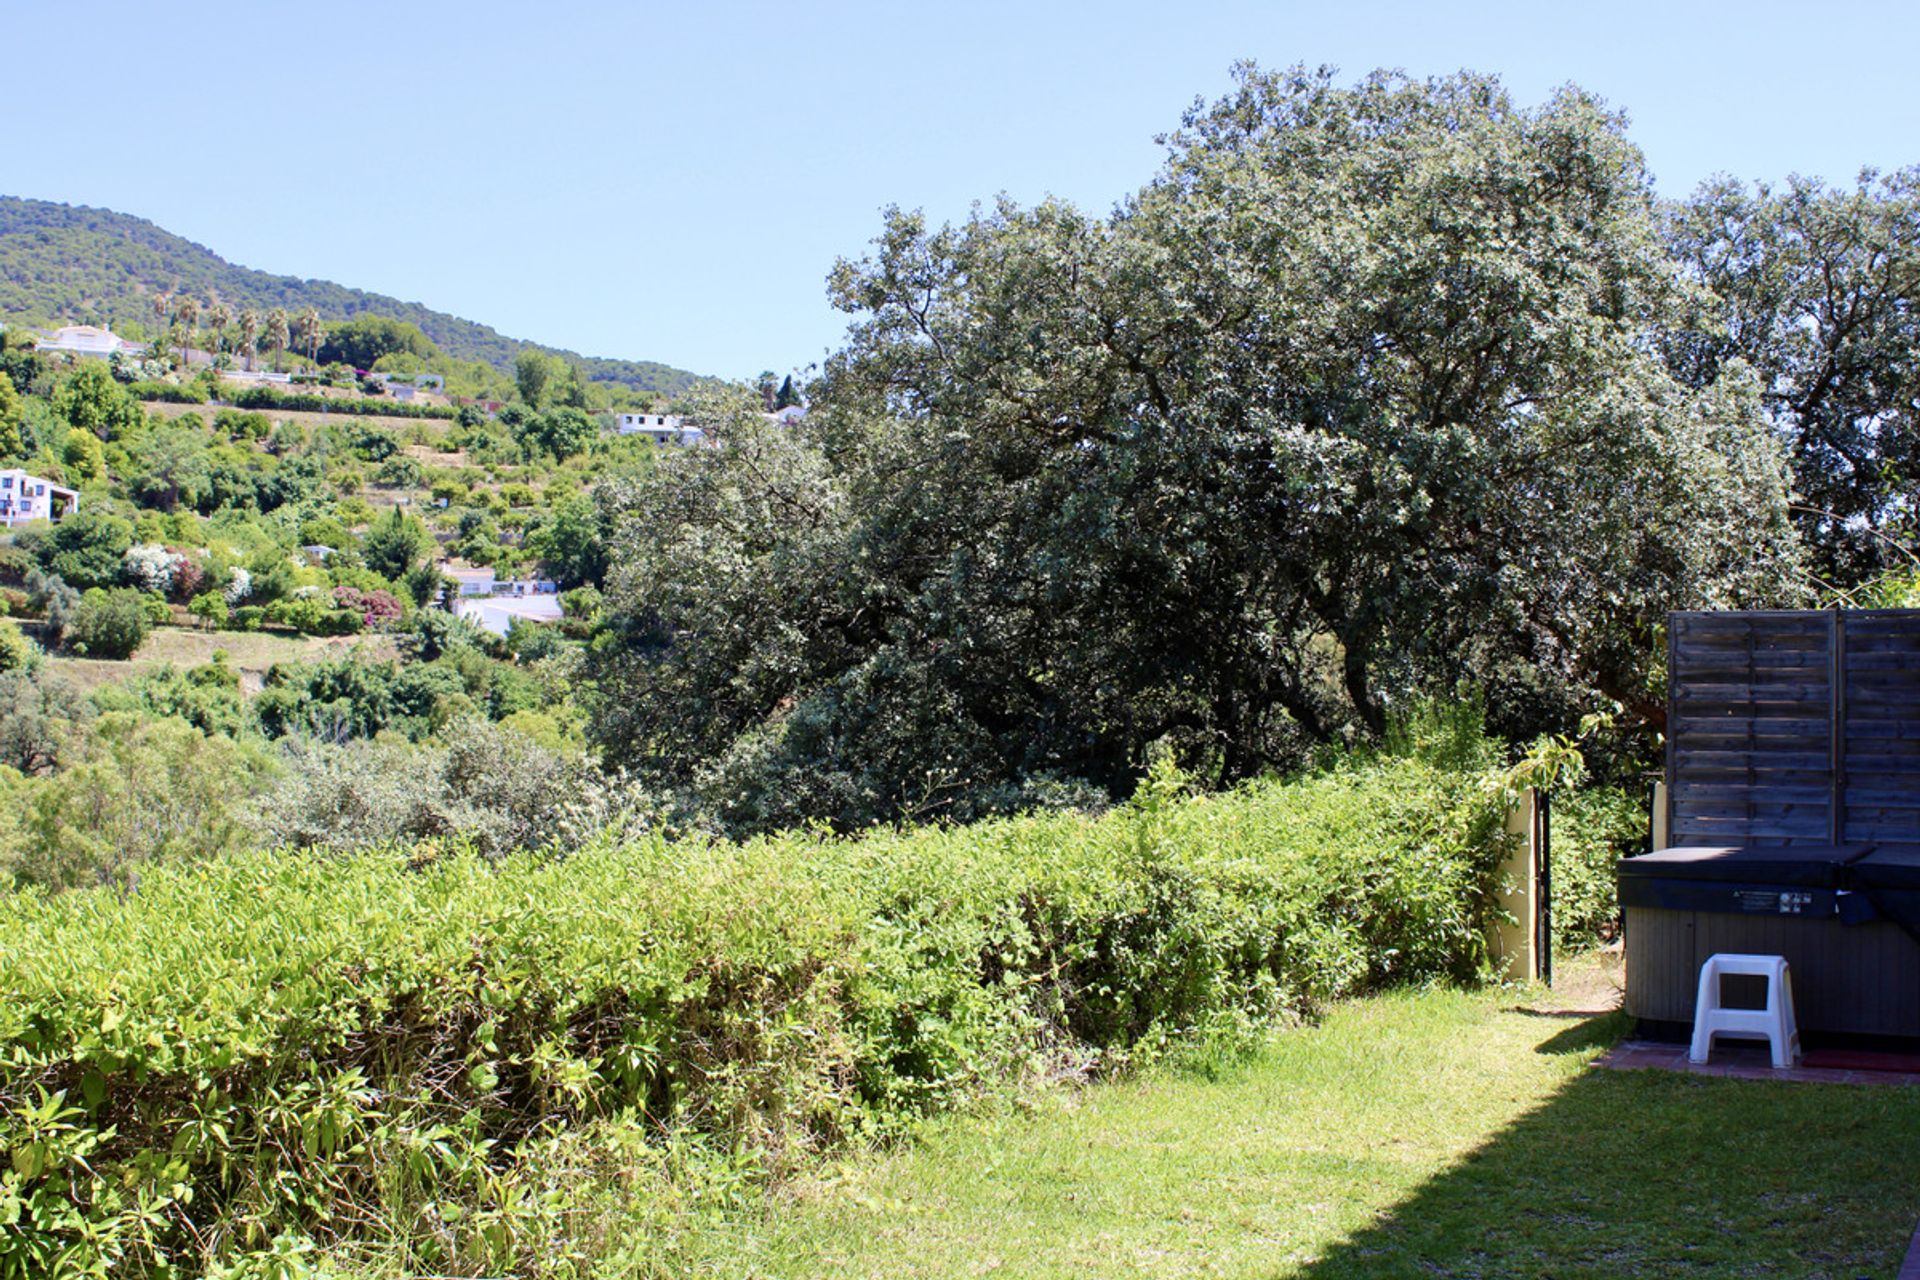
{"x":74,"y":264}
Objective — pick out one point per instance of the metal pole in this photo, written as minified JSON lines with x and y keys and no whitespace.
{"x":1543,"y":844}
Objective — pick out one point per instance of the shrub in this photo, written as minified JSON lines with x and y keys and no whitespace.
{"x":268,"y":398}
{"x":1592,"y":831}
{"x":143,"y":790}
{"x":249,"y":617}
{"x":211,"y":609}
{"x":403,"y":1037}
{"x":51,"y":597}
{"x":16,"y":651}
{"x":40,"y":719}
{"x":314,"y":616}
{"x":108,"y":624}
{"x":170,"y":393}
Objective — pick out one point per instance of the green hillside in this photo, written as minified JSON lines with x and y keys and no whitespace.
{"x":73,"y":264}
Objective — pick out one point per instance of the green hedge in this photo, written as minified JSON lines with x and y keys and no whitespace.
{"x":296,"y":402}
{"x":383,"y":1055}
{"x":1592,"y":830}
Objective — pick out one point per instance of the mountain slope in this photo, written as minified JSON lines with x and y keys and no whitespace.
{"x":74,"y":264}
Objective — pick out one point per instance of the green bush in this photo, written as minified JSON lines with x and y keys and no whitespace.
{"x":16,"y":651}
{"x":386,"y":1052}
{"x":108,"y":624}
{"x":1592,"y":831}
{"x":314,"y":616}
{"x":268,"y":398}
{"x":170,"y":393}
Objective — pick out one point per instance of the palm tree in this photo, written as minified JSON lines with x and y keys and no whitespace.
{"x":219,"y":316}
{"x":277,"y":335}
{"x":249,"y":334}
{"x":188,"y":314}
{"x":310,"y":332}
{"x":162,"y":306}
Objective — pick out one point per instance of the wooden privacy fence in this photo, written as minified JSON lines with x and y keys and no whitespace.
{"x":1794,"y":728}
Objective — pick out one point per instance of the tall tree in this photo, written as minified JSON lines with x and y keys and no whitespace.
{"x":394,"y":544}
{"x":1353,"y":402}
{"x":249,"y":335}
{"x":278,"y":335}
{"x":1818,"y":289}
{"x":186,"y":314}
{"x":219,"y":317}
{"x":309,"y":332}
{"x":532,"y":372}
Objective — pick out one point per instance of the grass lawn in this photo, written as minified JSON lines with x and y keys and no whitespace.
{"x":1418,"y":1134}
{"x":250,"y":652}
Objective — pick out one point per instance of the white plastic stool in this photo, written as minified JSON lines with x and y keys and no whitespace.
{"x":1775,"y":1022}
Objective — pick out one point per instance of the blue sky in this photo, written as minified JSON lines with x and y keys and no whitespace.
{"x":674,"y":181}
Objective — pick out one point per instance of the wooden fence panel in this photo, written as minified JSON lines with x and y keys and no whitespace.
{"x":1789,"y":728}
{"x":1750,"y":728}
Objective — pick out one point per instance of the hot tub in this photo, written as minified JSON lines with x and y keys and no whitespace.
{"x":1834,"y":911}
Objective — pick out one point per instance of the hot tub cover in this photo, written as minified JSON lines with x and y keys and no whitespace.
{"x":1797,"y":866}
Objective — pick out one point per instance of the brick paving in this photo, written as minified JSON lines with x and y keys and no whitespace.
{"x":1740,"y":1060}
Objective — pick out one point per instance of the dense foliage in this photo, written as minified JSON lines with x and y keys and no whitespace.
{"x":388,"y":1052}
{"x":1356,"y":401}
{"x":1819,"y":290}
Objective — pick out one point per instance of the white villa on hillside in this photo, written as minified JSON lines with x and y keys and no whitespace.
{"x":86,"y":340}
{"x":669,"y":428}
{"x":496,"y":613}
{"x":661,"y":428}
{"x":477,"y":582}
{"x":24,"y":497}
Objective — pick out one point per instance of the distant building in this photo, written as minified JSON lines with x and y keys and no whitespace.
{"x":788,"y":416}
{"x":497,"y":613}
{"x":477,"y":581}
{"x":24,"y":497}
{"x":525,"y":587}
{"x":661,"y":428}
{"x":86,"y":340}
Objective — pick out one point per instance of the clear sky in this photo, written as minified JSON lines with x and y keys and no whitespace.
{"x":673,"y":181}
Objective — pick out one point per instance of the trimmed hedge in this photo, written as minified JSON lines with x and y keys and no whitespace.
{"x":368,"y":1055}
{"x":296,"y":402}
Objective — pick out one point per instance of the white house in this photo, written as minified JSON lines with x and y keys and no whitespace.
{"x":86,"y":340}
{"x":24,"y":497}
{"x":524,"y":587}
{"x":469,"y":582}
{"x":497,"y":613}
{"x":661,"y":428}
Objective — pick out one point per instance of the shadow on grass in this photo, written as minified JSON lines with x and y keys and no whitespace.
{"x":1648,"y":1173}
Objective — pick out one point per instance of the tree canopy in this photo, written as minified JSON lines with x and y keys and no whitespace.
{"x":1819,"y":290}
{"x":361,"y":341}
{"x":1356,"y":400}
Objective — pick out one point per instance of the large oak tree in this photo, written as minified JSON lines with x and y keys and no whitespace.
{"x":1358,"y":399}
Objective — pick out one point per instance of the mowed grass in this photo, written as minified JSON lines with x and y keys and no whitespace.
{"x":1417,"y":1134}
